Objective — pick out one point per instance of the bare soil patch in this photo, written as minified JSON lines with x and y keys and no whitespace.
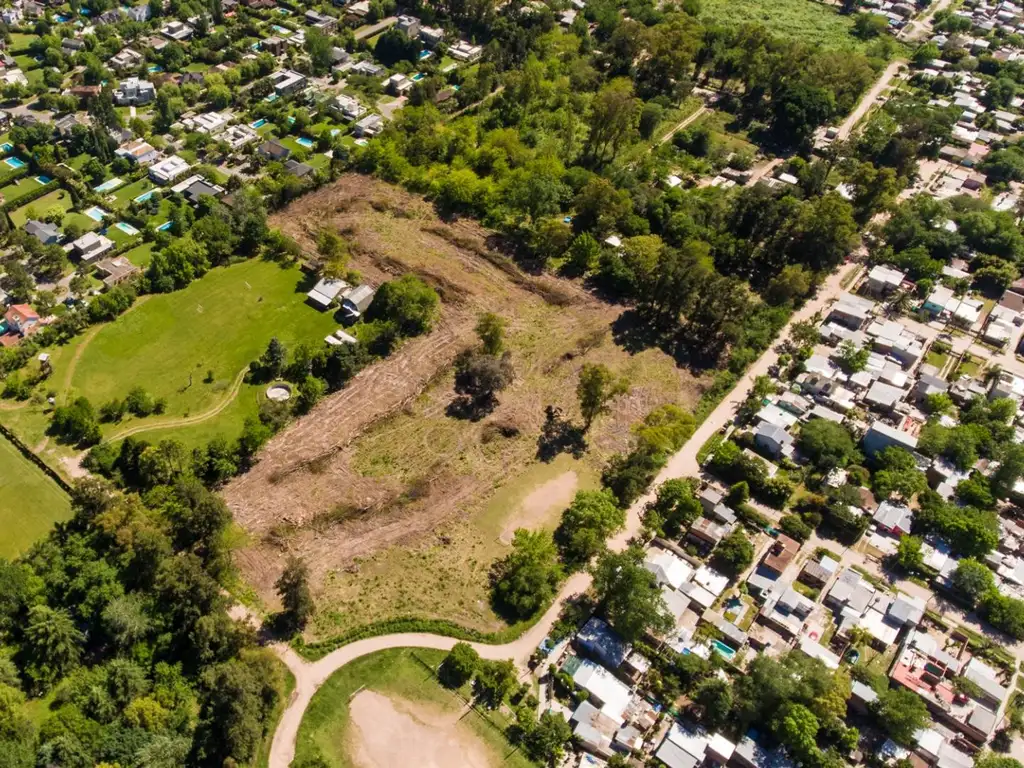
{"x":378,"y":487}
{"x":394,"y":733}
{"x":554,"y":494}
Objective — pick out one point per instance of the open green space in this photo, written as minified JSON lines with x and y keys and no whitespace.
{"x":19,"y":188}
{"x":217,"y":324}
{"x":404,"y":673}
{"x":41,"y":205}
{"x":807,"y":21}
{"x":141,"y":255}
{"x":30,"y":502}
{"x":21,"y":41}
{"x":126,"y":194}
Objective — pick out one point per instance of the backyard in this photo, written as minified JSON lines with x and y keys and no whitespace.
{"x":353,"y":718}
{"x":399,"y":507}
{"x":30,"y":502}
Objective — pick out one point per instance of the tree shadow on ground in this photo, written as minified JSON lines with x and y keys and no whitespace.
{"x":559,"y":435}
{"x":470,"y":408}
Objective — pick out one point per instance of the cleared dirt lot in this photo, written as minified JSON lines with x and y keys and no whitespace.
{"x":392,"y":501}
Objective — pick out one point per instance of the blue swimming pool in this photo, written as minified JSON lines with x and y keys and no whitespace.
{"x":259,"y":123}
{"x":6,"y":147}
{"x":144,"y":196}
{"x":417,"y":77}
{"x":165,"y":226}
{"x":96,"y":213}
{"x":62,"y":19}
{"x":291,"y":119}
{"x":335,"y":131}
{"x":43,"y":180}
{"x":723,"y":649}
{"x":155,"y":68}
{"x":127,"y":228}
{"x":15,"y":162}
{"x":307,"y":143}
{"x":108,"y":185}
{"x":425,"y":55}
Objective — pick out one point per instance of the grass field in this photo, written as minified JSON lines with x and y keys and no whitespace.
{"x":141,"y":255}
{"x":30,"y":502}
{"x":220,"y":323}
{"x":403,"y":674}
{"x":806,"y":20}
{"x":59,"y":197}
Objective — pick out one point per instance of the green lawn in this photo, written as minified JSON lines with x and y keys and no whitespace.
{"x":806,"y":20}
{"x":126,"y":194}
{"x":30,"y":502}
{"x":141,"y":255}
{"x":18,"y":189}
{"x":58,"y":197}
{"x":21,"y":41}
{"x":400,"y":673}
{"x":220,"y":323}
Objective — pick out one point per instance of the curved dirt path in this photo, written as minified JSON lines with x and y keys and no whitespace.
{"x":309,"y":676}
{"x":185,"y":421}
{"x":869,"y":99}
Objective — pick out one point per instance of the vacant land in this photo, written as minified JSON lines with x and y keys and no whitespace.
{"x":30,"y":502}
{"x":807,"y":20}
{"x":387,"y":709}
{"x":400,"y":508}
{"x":216,"y":325}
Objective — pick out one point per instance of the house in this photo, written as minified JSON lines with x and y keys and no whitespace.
{"x":91,"y":246}
{"x":126,"y":59}
{"x":408,"y":26}
{"x":817,"y":574}
{"x":116,"y":270}
{"x":851,"y":311}
{"x":465,"y":52}
{"x":210,"y":123}
{"x":287,"y":82}
{"x":710,"y":498}
{"x":356,"y":301}
{"x":357,"y":10}
{"x":780,"y":555}
{"x":134,"y":91}
{"x":323,"y":22}
{"x":138,"y":151}
{"x":21,"y":318}
{"x":197,"y":188}
{"x":398,"y":85}
{"x":1007,"y":385}
{"x":168,"y":169}
{"x":883,"y":281}
{"x":339,"y":57}
{"x":431,"y":37}
{"x":297,"y":169}
{"x":668,"y":569}
{"x":598,"y":640}
{"x":893,"y":518}
{"x":348,"y":107}
{"x":323,"y":294}
{"x":906,"y":610}
{"x":237,"y":136}
{"x":371,"y":125}
{"x":177,"y":30}
{"x":883,"y":397}
{"x":928,"y":384}
{"x":72,"y":45}
{"x":774,"y":439}
{"x":367,"y":68}
{"x":706,"y":531}
{"x":880,"y":436}
{"x":274,"y":45}
{"x":43,"y":231}
{"x":274,"y":150}
{"x":139,"y":13}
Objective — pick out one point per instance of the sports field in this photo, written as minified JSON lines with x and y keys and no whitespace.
{"x":30,"y":502}
{"x":388,"y":709}
{"x":218,"y":324}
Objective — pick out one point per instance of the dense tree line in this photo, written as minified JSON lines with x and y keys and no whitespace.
{"x":119,"y":616}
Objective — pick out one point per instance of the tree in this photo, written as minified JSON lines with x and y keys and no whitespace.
{"x":614,"y":119}
{"x":459,"y":665}
{"x":526,"y":579}
{"x":827,"y":444}
{"x":1004,"y":613}
{"x":901,"y":713}
{"x":480,"y":377}
{"x":490,"y":329}
{"x":630,"y":595}
{"x":495,"y":680}
{"x":908,"y":554}
{"x":274,"y":359}
{"x":853,"y":359}
{"x":76,"y":423}
{"x":897,"y":474}
{"x":714,"y":697}
{"x":734,"y":553}
{"x":56,"y":643}
{"x":545,"y":742}
{"x":799,"y":108}
{"x":592,"y":517}
{"x":1009,"y":471}
{"x":311,"y":390}
{"x":797,"y":728}
{"x":674,"y":509}
{"x":408,"y":302}
{"x":296,"y":597}
{"x":973,"y":580}
{"x":597,"y":387}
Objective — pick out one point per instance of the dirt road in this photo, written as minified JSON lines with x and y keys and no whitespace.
{"x":683,"y":123}
{"x":869,"y":100}
{"x":309,"y":676}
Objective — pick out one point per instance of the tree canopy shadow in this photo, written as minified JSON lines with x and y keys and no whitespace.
{"x":559,"y":435}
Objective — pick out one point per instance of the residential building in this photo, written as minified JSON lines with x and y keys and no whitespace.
{"x":348,"y":107}
{"x":369,"y":126}
{"x":780,"y":554}
{"x":408,"y":26}
{"x":431,"y":37}
{"x":323,"y":22}
{"x":210,"y":123}
{"x":1007,"y":385}
{"x":367,"y":67}
{"x":851,"y":311}
{"x":883,"y":281}
{"x":237,"y":136}
{"x":775,"y":440}
{"x":138,"y":151}
{"x":893,"y":518}
{"x":126,"y":59}
{"x":43,"y":231}
{"x":356,"y":301}
{"x":134,"y":91}
{"x":297,"y":169}
{"x":398,"y":85}
{"x":465,"y":52}
{"x":21,"y":318}
{"x":177,"y":30}
{"x":91,"y":246}
{"x":116,"y":270}
{"x":287,"y":82}
{"x":668,"y":569}
{"x":168,"y":169}
{"x":880,"y":436}
{"x":323,"y":294}
{"x":599,"y":641}
{"x":274,"y":150}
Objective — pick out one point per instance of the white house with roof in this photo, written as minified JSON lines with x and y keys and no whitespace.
{"x":91,"y":246}
{"x":210,"y":123}
{"x":667,"y":567}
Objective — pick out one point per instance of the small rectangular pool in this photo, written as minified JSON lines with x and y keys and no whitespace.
{"x":6,"y":147}
{"x":108,"y":185}
{"x":62,"y":19}
{"x":307,"y":143}
{"x":96,"y":213}
{"x":15,"y":162}
{"x":165,"y":226}
{"x":127,"y":228}
{"x":43,"y":180}
{"x":258,"y":124}
{"x":417,"y":77}
{"x":723,"y":650}
{"x":144,"y":196}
